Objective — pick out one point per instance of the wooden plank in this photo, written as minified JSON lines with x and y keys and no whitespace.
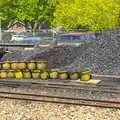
{"x":92,"y":81}
{"x":76,"y":83}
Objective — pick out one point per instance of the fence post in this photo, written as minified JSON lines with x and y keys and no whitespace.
{"x":0,"y":31}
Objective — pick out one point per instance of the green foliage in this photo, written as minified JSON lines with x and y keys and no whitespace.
{"x":71,"y":14}
{"x":91,"y":14}
{"x":29,"y":10}
{"x":4,"y":24}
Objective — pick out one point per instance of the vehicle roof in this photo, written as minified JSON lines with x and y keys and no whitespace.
{"x":75,"y":34}
{"x":18,"y":35}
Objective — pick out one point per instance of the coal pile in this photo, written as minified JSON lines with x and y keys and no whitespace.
{"x":57,"y":57}
{"x":25,"y":55}
{"x":11,"y":56}
{"x":103,"y":56}
{"x":60,"y":56}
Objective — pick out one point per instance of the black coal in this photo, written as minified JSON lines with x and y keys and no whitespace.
{"x":101,"y":56}
{"x":24,"y":55}
{"x":61,"y":56}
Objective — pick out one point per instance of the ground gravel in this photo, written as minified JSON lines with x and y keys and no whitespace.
{"x":21,"y":110}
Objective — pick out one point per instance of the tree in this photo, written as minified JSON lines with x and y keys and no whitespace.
{"x":35,"y":12}
{"x":4,"y":24}
{"x":90,"y":14}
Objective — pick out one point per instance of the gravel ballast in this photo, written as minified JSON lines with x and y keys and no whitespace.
{"x":101,"y":56}
{"x":23,"y":110}
{"x":20,"y":110}
{"x":85,"y":94}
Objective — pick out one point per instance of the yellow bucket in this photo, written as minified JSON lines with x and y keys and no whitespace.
{"x":63,"y":75}
{"x":10,"y":74}
{"x":14,"y":65}
{"x":54,"y":74}
{"x":22,"y":64}
{"x":18,"y":74}
{"x":44,"y":75}
{"x":74,"y":75}
{"x":31,"y":65}
{"x":86,"y":75}
{"x":36,"y":74}
{"x":3,"y":74}
{"x":41,"y":65}
{"x":27,"y":74}
{"x":6,"y":65}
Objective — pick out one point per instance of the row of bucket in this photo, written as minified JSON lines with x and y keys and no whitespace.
{"x":44,"y":75}
{"x":38,"y":70}
{"x":22,"y":65}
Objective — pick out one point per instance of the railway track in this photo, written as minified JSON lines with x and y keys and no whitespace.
{"x":58,"y":85}
{"x":60,"y":100}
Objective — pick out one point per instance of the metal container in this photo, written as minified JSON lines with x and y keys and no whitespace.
{"x":63,"y":75}
{"x":22,"y":64}
{"x":41,"y":65}
{"x":3,"y":74}
{"x":36,"y":74}
{"x":10,"y":74}
{"x":74,"y":75}
{"x":6,"y":65}
{"x":27,"y":74}
{"x":14,"y":65}
{"x":18,"y":74}
{"x":44,"y":75}
{"x":54,"y":74}
{"x":85,"y":75}
{"x":31,"y":65}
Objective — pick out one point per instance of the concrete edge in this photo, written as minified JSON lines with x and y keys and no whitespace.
{"x":105,"y":77}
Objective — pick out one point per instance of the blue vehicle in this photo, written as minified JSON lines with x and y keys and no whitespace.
{"x":75,"y":38}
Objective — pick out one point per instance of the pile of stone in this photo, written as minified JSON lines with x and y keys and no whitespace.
{"x":101,"y":56}
{"x":57,"y":57}
{"x":60,"y":56}
{"x":24,"y":55}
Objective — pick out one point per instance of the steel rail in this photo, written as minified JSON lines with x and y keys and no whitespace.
{"x":59,"y":86}
{"x":60,"y":100}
